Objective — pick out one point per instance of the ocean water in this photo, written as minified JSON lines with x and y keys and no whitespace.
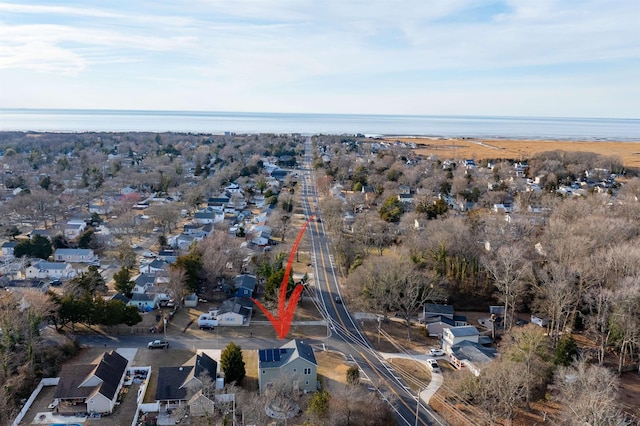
{"x":399,"y":125}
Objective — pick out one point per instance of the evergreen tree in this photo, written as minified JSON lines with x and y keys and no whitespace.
{"x":192,"y":265}
{"x":319,"y":405}
{"x":391,"y":210}
{"x":232,"y":364}
{"x":353,"y":375}
{"x":123,"y":282}
{"x":566,"y":352}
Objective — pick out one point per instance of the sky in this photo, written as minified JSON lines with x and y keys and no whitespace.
{"x":565,"y":58}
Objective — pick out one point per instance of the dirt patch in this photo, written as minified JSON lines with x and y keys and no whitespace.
{"x":251,"y":367}
{"x":332,"y":368}
{"x":415,"y":373}
{"x":393,"y":336}
{"x":630,"y":393}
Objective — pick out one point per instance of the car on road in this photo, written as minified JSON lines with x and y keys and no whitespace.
{"x":338,"y":300}
{"x":433,"y":365}
{"x":158,"y":344}
{"x":436,"y":352}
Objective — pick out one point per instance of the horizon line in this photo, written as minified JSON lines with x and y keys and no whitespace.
{"x":113,"y":110}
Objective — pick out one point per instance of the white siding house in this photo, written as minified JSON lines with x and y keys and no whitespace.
{"x":44,"y":270}
{"x":74,"y":255}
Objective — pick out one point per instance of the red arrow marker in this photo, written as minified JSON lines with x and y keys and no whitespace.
{"x":282,"y":322}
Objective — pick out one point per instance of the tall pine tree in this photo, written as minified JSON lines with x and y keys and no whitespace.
{"x":232,"y":364}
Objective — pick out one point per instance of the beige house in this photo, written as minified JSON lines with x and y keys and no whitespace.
{"x":293,"y":362}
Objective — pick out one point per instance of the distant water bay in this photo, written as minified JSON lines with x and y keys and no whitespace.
{"x":64,"y":120}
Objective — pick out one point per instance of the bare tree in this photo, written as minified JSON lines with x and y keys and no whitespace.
{"x":529,"y":346}
{"x":625,"y":319}
{"x":510,"y":271}
{"x":393,"y":283}
{"x":587,"y":395}
{"x":600,"y":303}
{"x":177,"y":284}
{"x":166,"y":216}
{"x":556,"y":297}
{"x":221,"y":254}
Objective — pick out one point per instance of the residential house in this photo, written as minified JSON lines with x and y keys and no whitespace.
{"x":42,"y":232}
{"x":154,"y":267}
{"x":45,"y":270}
{"x":74,"y":228}
{"x":143,"y":301}
{"x":279,"y":174}
{"x":471,"y":355}
{"x":168,"y":255}
{"x":217,"y":204}
{"x":244,"y":285}
{"x":454,"y":335}
{"x":174,"y":382}
{"x":205,"y":216}
{"x":234,"y":312}
{"x":438,"y":317}
{"x":294,"y":363}
{"x":74,"y":255}
{"x":233,"y":188}
{"x":143,"y":282}
{"x":405,"y":197}
{"x":7,"y":248}
{"x":91,"y":388}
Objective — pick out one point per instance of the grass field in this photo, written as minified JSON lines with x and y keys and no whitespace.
{"x":478,"y":149}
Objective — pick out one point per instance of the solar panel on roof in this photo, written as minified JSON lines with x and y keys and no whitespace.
{"x":276,"y":355}
{"x":262,"y":356}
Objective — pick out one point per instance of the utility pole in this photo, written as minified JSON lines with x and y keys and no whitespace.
{"x":417,"y":407}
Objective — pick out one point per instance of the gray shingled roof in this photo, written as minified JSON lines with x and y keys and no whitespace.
{"x":170,"y":380}
{"x":277,"y":357}
{"x":473,"y":352}
{"x":245,"y":281}
{"x":206,"y":364}
{"x":467,"y":330}
{"x":110,"y":370}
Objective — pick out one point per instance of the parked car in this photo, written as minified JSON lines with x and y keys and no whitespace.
{"x":433,"y":365}
{"x":436,"y":352}
{"x":206,"y":327}
{"x":149,"y":254}
{"x":157,"y":344}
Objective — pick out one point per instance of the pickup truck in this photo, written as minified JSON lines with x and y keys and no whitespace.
{"x":158,"y":344}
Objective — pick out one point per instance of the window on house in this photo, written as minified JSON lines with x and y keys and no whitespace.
{"x":306,"y":382}
{"x":307,"y":371}
{"x":295,"y":370}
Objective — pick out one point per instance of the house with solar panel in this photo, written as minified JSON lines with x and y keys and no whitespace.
{"x":294,"y":362}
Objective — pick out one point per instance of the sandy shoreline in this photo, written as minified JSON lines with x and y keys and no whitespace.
{"x":478,"y":149}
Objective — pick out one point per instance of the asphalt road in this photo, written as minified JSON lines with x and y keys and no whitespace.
{"x":346,"y":336}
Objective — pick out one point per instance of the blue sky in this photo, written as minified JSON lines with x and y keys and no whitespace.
{"x":467,"y":57}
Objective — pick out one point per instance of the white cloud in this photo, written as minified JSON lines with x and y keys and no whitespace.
{"x":257,"y":47}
